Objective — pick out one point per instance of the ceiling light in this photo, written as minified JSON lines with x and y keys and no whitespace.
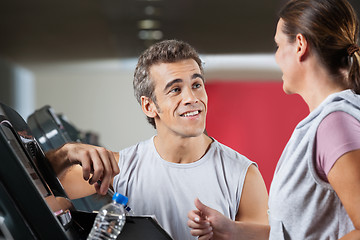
{"x":150,"y":34}
{"x":148,"y":24}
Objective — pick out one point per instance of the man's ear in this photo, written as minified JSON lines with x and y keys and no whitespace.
{"x":148,"y":107}
{"x":302,"y":47}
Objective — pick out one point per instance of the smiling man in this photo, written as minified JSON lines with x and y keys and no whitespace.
{"x":163,"y":176}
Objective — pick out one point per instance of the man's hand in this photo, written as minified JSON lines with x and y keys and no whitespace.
{"x":207,"y":223}
{"x":97,"y":164}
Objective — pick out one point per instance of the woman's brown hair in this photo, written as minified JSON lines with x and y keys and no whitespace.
{"x":331,"y":28}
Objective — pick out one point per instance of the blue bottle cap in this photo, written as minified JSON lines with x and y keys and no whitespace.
{"x":119,"y":198}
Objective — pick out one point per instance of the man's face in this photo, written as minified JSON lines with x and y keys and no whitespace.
{"x":181,"y":98}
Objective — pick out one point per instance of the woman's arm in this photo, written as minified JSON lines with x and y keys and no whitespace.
{"x":344,"y":177}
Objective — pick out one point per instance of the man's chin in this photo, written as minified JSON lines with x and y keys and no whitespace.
{"x":194,"y":133}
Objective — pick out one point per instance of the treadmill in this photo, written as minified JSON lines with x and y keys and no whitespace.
{"x":33,"y":203}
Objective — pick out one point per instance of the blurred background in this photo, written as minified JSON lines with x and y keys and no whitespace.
{"x":79,"y":56}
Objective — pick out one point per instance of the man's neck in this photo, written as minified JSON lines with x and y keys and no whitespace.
{"x":182,"y":149}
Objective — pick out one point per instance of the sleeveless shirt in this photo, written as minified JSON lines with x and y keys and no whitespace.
{"x":168,"y":190}
{"x":301,"y":205}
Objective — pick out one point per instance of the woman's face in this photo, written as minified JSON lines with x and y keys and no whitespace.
{"x":286,"y":58}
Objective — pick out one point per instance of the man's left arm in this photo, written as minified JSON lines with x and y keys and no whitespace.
{"x":254,"y":198}
{"x":251,"y":219}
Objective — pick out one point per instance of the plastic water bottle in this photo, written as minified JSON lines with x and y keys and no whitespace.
{"x":110,"y":220}
{"x":128,"y":209}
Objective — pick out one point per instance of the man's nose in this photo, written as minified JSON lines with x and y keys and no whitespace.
{"x":189,"y":96}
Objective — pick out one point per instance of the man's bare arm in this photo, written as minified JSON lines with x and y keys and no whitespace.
{"x":80,"y":167}
{"x":251,"y":219}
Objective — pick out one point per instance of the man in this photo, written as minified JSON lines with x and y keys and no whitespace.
{"x":163,"y":175}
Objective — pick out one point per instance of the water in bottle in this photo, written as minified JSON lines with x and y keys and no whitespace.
{"x":110,"y":220}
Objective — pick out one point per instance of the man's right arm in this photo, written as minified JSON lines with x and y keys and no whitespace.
{"x":79,"y":167}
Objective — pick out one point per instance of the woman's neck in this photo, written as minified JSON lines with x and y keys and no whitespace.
{"x":319,"y":84}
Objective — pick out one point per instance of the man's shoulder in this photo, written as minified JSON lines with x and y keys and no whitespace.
{"x":225,"y":148}
{"x":137,"y":148}
{"x":231,"y":160}
{"x":228,"y":152}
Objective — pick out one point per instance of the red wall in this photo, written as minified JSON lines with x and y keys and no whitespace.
{"x":254,"y":118}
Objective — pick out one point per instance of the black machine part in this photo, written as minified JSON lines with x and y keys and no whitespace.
{"x":28,"y":207}
{"x":54,"y":130}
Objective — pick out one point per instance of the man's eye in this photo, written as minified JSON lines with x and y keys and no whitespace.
{"x":198,"y":85}
{"x":175,"y":90}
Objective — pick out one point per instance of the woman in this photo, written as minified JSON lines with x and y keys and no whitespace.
{"x":315,"y":192}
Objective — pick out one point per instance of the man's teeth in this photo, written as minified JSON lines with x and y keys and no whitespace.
{"x":189,"y":114}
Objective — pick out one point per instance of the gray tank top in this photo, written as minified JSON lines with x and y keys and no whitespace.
{"x":168,"y":190}
{"x":301,"y":205}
